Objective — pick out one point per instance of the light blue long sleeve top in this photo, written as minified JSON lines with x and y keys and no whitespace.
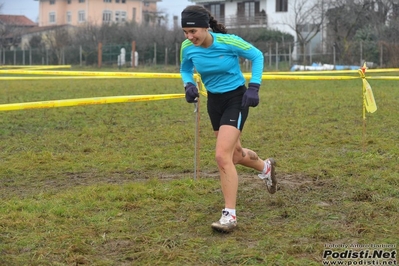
{"x":219,"y":64}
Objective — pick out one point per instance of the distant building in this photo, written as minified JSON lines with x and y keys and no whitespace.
{"x":12,"y":27}
{"x":276,"y":15}
{"x":16,"y":21}
{"x":98,"y":12}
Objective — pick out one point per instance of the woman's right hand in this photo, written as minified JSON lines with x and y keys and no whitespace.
{"x":191,"y":93}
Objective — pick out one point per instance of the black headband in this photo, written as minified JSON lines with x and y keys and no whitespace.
{"x":193,"y":19}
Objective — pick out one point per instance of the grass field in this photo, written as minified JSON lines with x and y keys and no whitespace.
{"x":113,"y":184}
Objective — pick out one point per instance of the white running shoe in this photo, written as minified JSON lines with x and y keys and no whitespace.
{"x":270,"y":175}
{"x":226,"y":224}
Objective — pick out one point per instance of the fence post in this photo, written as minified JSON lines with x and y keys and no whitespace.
{"x":100,"y":54}
{"x":276,"y":55}
{"x":334,"y":56}
{"x":15,"y":57}
{"x":133,"y":54}
{"x":270,"y":55}
{"x":30,"y":55}
{"x":80,"y":55}
{"x":166,"y":56}
{"x":361,"y":52}
{"x":155,"y":53}
{"x":177,"y":54}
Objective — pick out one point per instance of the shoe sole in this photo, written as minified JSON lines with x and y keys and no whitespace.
{"x":273,"y":188}
{"x":223,"y":229}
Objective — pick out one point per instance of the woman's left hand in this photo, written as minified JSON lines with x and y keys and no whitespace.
{"x":251,"y":96}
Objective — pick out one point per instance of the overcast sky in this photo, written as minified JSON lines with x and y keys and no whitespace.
{"x":30,"y":8}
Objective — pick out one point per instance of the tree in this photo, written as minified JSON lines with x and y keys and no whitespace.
{"x":56,"y":40}
{"x":351,"y":23}
{"x":307,"y":21}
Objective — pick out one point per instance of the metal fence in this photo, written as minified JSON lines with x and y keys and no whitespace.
{"x":279,"y":56}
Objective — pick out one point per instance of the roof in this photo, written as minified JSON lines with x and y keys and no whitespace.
{"x":16,"y":20}
{"x":46,"y":28}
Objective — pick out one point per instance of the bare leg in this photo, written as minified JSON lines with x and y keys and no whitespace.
{"x":226,"y":141}
{"x":247,"y":157}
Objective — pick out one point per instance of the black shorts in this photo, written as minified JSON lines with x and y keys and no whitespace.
{"x":226,"y":109}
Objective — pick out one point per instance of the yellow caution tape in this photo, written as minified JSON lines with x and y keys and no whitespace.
{"x":87,"y":101}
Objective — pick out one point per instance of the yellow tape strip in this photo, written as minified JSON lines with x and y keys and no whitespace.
{"x":65,"y":77}
{"x":87,"y":101}
{"x":159,"y":75}
{"x":91,"y":73}
{"x":35,"y":66}
{"x":383,"y":77}
{"x":287,"y":77}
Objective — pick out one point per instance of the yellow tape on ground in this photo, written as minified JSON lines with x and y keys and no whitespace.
{"x":87,"y":101}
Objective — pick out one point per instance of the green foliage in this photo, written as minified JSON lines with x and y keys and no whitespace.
{"x":113,"y":184}
{"x":369,"y":43}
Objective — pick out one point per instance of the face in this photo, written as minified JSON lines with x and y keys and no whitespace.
{"x":196,"y":35}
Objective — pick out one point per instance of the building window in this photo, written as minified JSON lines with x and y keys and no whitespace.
{"x":81,"y":16}
{"x":123,"y":16}
{"x":68,"y":17}
{"x":107,"y":1}
{"x":217,"y":10}
{"x":306,"y":28}
{"x":81,"y":1}
{"x":107,"y":16}
{"x":281,"y":5}
{"x":117,"y":1}
{"x":134,"y":14}
{"x":51,"y":18}
{"x":249,"y":9}
{"x":247,"y":12}
{"x":69,"y":2}
{"x":120,"y":16}
{"x":52,"y":2}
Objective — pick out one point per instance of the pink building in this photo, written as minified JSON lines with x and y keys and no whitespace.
{"x":76,"y":12}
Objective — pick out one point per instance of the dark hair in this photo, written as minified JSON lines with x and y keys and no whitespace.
{"x":213,"y":23}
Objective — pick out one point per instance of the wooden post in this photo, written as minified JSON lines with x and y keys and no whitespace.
{"x":197,"y":133}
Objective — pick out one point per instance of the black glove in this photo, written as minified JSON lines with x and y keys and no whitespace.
{"x":191,"y":93}
{"x":251,"y":96}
